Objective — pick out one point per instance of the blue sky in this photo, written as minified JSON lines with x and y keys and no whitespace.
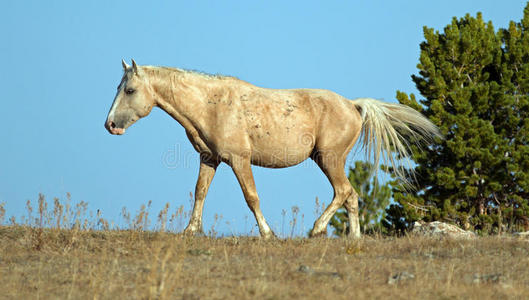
{"x":60,"y":65}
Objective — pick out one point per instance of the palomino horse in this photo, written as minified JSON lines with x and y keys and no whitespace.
{"x":231,"y":121}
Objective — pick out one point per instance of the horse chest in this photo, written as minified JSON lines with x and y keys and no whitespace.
{"x":197,"y":142}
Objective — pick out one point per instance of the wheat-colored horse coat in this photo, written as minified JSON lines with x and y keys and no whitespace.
{"x":229,"y":120}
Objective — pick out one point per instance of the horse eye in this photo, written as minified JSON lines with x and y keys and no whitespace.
{"x":129,"y":91}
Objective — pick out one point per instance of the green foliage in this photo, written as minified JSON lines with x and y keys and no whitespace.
{"x":395,"y":222}
{"x":373,"y":199}
{"x":475,"y":84}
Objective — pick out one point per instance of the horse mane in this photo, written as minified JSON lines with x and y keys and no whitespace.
{"x":161,"y":69}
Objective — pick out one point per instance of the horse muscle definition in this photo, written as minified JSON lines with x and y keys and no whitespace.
{"x":231,"y":121}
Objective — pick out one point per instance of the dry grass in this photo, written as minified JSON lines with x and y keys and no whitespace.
{"x":74,"y":264}
{"x":48,"y":261}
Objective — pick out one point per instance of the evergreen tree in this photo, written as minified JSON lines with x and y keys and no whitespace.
{"x":372,"y":201}
{"x":475,"y":84}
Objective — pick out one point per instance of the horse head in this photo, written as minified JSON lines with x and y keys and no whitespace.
{"x":133,"y":101}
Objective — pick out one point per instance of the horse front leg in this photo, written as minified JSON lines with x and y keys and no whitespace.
{"x":242,"y":168}
{"x":205,"y":175}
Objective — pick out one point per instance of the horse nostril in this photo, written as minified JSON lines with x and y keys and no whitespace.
{"x":110,"y":125}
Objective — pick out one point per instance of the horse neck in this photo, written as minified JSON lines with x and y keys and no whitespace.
{"x":180,"y":94}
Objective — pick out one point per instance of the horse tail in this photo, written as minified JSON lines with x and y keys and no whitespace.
{"x":391,"y":127}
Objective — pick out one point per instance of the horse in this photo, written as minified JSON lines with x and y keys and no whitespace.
{"x":232,"y":121}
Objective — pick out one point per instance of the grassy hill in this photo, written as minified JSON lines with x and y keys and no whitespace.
{"x":57,"y":252}
{"x":81,"y":264}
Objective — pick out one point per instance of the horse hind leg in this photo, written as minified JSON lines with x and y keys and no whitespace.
{"x":333,"y":167}
{"x":351,"y":205}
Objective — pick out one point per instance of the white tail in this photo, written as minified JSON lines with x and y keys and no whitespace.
{"x":384,"y":125}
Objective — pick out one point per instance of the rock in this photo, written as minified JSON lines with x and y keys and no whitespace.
{"x":305,"y":269}
{"x":199,"y":252}
{"x":440,"y":229}
{"x":309,"y":271}
{"x":496,"y":278}
{"x":521,"y":235}
{"x":488,"y":278}
{"x":399,"y":277}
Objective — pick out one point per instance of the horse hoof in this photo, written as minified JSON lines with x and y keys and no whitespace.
{"x":353,"y":236}
{"x":195,"y":233}
{"x":318,"y":234}
{"x":269,"y":236}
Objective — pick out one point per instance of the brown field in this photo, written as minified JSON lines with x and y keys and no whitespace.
{"x":81,"y":264}
{"x":60,"y":253}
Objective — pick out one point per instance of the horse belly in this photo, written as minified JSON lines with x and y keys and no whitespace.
{"x":281,"y":126}
{"x":281,"y":145}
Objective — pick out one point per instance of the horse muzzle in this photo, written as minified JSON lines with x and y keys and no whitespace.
{"x":113,"y":129}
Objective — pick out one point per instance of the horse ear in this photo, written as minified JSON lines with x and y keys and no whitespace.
{"x":134,"y":67}
{"x":124,"y":64}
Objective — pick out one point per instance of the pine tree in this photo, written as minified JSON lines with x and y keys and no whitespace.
{"x":372,"y":201}
{"x":475,"y":84}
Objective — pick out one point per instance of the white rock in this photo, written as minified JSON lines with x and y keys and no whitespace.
{"x":440,"y":229}
{"x":524,"y":234}
{"x":399,"y":277}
